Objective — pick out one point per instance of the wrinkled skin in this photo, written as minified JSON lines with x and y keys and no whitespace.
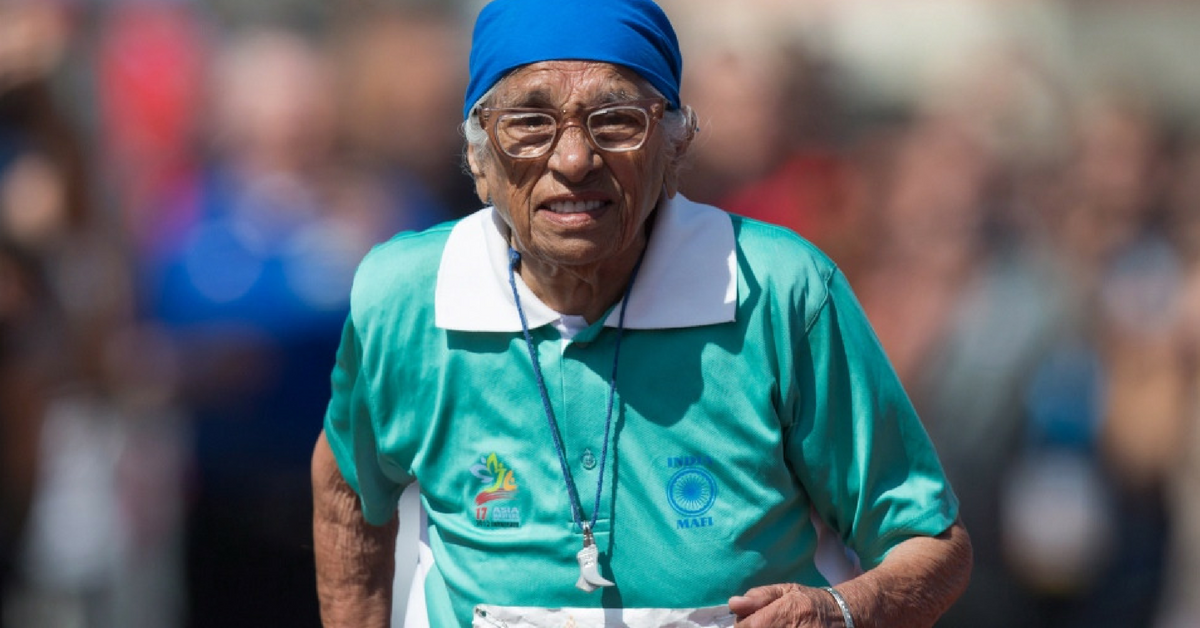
{"x":577,"y":263}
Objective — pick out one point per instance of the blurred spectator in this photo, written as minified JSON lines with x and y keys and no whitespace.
{"x":23,"y":303}
{"x":1181,"y":608}
{"x":930,"y":233}
{"x":771,"y":143}
{"x":961,"y":314}
{"x":32,"y":44}
{"x":1097,"y":374}
{"x":80,"y":427}
{"x":149,"y":74}
{"x":250,"y":286}
{"x":254,"y":287}
{"x":401,"y":77}
{"x":738,"y":78}
{"x":1123,"y":426}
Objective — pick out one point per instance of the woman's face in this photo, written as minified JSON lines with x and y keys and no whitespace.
{"x":576,"y":206}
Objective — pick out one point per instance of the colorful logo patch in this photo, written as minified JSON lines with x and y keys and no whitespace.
{"x":493,"y":507}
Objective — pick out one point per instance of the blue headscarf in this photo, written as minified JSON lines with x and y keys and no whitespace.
{"x":632,"y":33}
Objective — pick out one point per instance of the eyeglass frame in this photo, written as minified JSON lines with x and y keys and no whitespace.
{"x":654,"y":108}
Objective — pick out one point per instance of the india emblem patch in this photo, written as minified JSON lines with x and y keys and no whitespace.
{"x":691,"y":491}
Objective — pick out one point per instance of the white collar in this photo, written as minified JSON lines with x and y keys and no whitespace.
{"x":687,"y":279}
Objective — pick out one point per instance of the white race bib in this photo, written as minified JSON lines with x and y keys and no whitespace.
{"x":490,"y":616}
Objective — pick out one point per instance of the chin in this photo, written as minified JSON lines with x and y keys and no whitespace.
{"x":574,"y":253}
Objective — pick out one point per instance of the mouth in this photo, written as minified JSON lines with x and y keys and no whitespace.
{"x":574,"y":207}
{"x":576,"y":211}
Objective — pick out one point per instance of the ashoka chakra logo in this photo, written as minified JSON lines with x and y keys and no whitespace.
{"x":692,"y":491}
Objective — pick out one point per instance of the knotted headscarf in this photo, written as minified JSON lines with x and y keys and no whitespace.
{"x":632,"y":33}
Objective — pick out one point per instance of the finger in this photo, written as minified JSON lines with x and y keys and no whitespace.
{"x":758,"y":598}
{"x":793,"y":607}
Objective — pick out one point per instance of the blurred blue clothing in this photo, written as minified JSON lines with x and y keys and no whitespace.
{"x":255,"y":289}
{"x":251,"y":278}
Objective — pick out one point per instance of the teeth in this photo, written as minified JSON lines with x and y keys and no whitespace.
{"x":574,"y":207}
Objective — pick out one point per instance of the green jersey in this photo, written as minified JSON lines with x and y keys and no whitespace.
{"x":750,"y":391}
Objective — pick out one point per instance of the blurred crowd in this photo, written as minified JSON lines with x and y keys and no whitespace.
{"x":186,"y":188}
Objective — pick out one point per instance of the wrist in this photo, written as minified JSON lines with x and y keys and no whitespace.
{"x":843,"y":608}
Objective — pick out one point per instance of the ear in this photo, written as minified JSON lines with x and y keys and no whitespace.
{"x":675,"y":159}
{"x":671,"y":182}
{"x":481,"y":183}
{"x":671,"y":176}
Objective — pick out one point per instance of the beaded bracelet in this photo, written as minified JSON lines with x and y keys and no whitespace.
{"x":841,"y":602}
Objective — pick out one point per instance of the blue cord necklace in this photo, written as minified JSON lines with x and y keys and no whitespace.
{"x":588,"y":557}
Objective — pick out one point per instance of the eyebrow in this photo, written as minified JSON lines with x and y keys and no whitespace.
{"x":619,"y":95}
{"x":539,"y":98}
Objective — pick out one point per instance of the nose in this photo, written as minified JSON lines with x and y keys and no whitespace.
{"x":574,"y":157}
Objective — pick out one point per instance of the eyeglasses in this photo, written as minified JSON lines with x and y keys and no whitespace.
{"x":530,"y":133}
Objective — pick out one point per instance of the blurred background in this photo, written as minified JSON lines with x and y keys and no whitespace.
{"x":186,"y":186}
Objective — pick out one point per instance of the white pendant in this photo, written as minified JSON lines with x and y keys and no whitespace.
{"x":589,"y":565}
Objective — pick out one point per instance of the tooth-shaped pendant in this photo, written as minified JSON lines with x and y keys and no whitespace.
{"x":589,"y":566}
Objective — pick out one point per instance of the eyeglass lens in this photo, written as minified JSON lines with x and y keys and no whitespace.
{"x":531,"y":134}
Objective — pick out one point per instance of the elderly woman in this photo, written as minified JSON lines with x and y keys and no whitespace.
{"x":619,"y":404}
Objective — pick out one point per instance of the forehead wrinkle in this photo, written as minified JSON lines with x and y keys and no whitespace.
{"x":543,"y":87}
{"x":542,"y":99}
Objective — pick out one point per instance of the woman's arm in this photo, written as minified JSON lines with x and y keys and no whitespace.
{"x":920,"y":578}
{"x":355,"y":560}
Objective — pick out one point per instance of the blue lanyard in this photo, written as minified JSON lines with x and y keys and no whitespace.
{"x":514,"y":258}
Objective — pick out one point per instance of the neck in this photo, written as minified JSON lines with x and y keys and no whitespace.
{"x":585,"y":290}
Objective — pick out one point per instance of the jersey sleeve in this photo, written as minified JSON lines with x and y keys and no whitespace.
{"x":351,"y":430}
{"x":855,"y":442}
